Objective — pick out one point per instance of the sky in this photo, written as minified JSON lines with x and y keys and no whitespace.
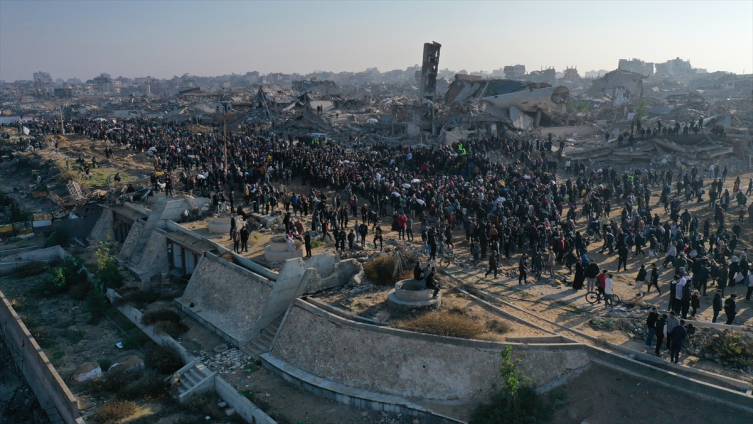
{"x":162,"y":39}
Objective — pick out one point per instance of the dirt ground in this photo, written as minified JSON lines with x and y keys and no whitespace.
{"x":602,"y":396}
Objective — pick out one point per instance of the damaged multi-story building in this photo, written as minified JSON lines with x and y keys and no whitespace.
{"x":638,"y":66}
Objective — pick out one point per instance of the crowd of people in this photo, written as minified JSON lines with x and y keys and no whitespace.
{"x":449,"y":194}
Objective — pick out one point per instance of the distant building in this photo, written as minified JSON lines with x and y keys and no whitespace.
{"x":571,"y":74}
{"x":674,"y":67}
{"x":42,"y":77}
{"x":544,"y":75}
{"x":64,"y":92}
{"x":596,"y":74}
{"x":638,"y":66}
{"x":515,"y":72}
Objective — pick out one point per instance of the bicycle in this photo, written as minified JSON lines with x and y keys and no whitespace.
{"x":595,"y":297}
{"x":448,"y":257}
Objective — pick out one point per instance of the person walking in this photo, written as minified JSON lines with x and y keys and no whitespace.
{"x":653,"y":317}
{"x":678,"y":334}
{"x":622,"y":254}
{"x":716,"y":304}
{"x":730,"y":308}
{"x":492,"y":265}
{"x":695,"y":303}
{"x":640,"y":279}
{"x":654,"y":280}
{"x":522,"y":270}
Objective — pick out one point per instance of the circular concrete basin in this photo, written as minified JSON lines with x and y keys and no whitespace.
{"x":412,"y":291}
{"x":219,"y":226}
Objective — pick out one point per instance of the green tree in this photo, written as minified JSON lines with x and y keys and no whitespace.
{"x":516,"y":403}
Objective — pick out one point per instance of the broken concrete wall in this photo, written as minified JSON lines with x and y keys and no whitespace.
{"x":330,"y":271}
{"x":403,"y":363}
{"x":531,"y":101}
{"x":227,"y":296}
{"x":49,"y":254}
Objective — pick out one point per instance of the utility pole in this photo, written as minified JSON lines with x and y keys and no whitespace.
{"x":62,"y":127}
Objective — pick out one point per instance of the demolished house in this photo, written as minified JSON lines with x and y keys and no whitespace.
{"x":621,"y":85}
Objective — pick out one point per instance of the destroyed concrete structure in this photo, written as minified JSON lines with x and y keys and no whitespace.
{"x":429,"y":70}
{"x":515,"y":71}
{"x":621,"y":85}
{"x":637,"y":66}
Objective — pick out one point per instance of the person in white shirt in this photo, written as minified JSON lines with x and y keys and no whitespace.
{"x":608,"y":291}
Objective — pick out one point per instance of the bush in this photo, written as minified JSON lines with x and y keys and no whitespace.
{"x":139,"y":298}
{"x":80,"y":291}
{"x":516,"y":403}
{"x":29,"y":270}
{"x":113,"y":412}
{"x":136,"y":340}
{"x":105,"y":364}
{"x":108,"y":272}
{"x":163,"y":359}
{"x":96,"y":305}
{"x":174,"y":329}
{"x":734,"y":348}
{"x":162,"y":314}
{"x":43,"y":337}
{"x":59,"y":237}
{"x":149,"y":387}
{"x":499,"y":327}
{"x":444,"y":324}
{"x":60,"y":279}
{"x":111,"y":382}
{"x":381,"y":271}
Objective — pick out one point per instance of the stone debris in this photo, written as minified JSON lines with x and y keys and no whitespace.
{"x":227,"y":362}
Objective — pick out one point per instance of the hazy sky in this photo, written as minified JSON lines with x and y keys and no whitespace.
{"x":161,"y":39}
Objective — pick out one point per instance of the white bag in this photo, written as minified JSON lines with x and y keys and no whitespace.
{"x":739,"y":277}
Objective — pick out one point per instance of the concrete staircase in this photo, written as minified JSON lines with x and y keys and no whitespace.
{"x":261,"y":343}
{"x":193,"y":378}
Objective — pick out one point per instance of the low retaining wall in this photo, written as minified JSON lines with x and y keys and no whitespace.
{"x":413,"y":365}
{"x":17,"y":260}
{"x":38,"y":371}
{"x":243,"y":407}
{"x":162,"y":339}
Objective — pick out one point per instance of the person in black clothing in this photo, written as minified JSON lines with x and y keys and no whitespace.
{"x":654,"y":279}
{"x":622,"y":253}
{"x":244,"y":239}
{"x":431,"y":282}
{"x":307,"y":243}
{"x":653,"y":316}
{"x":659,"y":329}
{"x":492,"y":265}
{"x":363,"y":229}
{"x":522,"y":270}
{"x":716,"y":304}
{"x":730,"y":308}
{"x":351,"y":239}
{"x":685,"y":301}
{"x":418,"y":272}
{"x":678,"y":335}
